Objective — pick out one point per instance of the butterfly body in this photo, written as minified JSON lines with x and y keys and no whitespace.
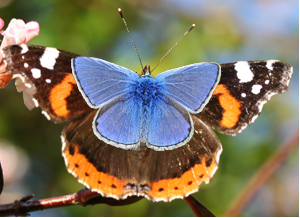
{"x":147,"y":95}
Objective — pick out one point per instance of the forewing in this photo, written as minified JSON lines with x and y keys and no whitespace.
{"x":44,"y":75}
{"x":244,"y":88}
{"x":100,"y":81}
{"x":192,"y":85}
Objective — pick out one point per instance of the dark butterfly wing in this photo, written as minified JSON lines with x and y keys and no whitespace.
{"x":44,"y":75}
{"x":156,"y":175}
{"x":243,"y":90}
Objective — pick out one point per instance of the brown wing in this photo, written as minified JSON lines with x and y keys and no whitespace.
{"x":156,"y":175}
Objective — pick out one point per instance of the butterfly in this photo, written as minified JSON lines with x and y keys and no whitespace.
{"x":44,"y":75}
{"x":135,"y":110}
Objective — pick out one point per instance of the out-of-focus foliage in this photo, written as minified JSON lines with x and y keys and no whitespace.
{"x":226,"y":31}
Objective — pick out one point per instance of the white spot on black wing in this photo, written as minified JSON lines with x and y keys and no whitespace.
{"x":46,"y":115}
{"x":256,"y":89}
{"x":267,"y":82}
{"x":36,"y":73}
{"x":48,"y":59}
{"x":24,"y":48}
{"x":36,"y":103}
{"x":244,"y":72}
{"x":269,"y":64}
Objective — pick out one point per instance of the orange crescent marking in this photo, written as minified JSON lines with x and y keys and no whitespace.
{"x":188,"y":183}
{"x":88,"y":174}
{"x":59,"y":94}
{"x":230,"y":105}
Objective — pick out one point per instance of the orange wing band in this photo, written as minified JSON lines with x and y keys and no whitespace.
{"x":59,"y":94}
{"x":87,"y":174}
{"x":188,"y":183}
{"x":230,"y":105}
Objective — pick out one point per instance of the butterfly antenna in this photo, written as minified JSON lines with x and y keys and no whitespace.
{"x":121,"y":14}
{"x":192,"y":27}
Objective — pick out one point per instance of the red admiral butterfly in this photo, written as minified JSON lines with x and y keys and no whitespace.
{"x":45,"y":77}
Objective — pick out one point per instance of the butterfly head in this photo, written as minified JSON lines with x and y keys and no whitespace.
{"x":146,"y":71}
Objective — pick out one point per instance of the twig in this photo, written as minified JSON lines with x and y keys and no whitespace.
{"x":262,"y":176}
{"x":199,"y":209}
{"x":84,"y":197}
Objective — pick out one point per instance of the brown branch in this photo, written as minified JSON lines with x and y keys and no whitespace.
{"x":84,"y":197}
{"x":199,"y":209}
{"x":262,"y":176}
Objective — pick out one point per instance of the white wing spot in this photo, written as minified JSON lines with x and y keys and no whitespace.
{"x":244,"y":72}
{"x":267,"y":82}
{"x":36,"y":73}
{"x":48,"y":59}
{"x":243,"y":95}
{"x":24,"y":48}
{"x":48,"y":80}
{"x":256,"y":89}
{"x":36,"y":103}
{"x":269,"y":64}
{"x":46,"y":115}
{"x":26,"y":65}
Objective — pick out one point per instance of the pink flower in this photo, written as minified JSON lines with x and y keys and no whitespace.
{"x":1,"y":24}
{"x":17,"y":32}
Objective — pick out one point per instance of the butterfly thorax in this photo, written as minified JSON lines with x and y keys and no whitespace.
{"x":146,"y":86}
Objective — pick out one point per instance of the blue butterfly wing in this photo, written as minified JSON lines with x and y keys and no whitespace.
{"x":182,"y":90}
{"x":170,"y":125}
{"x":191,"y":85}
{"x":100,"y":81}
{"x":117,"y":122}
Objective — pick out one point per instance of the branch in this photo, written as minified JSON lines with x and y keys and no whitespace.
{"x":199,"y":209}
{"x":84,"y":197}
{"x":262,"y":176}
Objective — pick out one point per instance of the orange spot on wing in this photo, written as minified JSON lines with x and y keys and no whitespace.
{"x":230,"y":105}
{"x":188,"y":183}
{"x":59,"y":94}
{"x":88,"y":174}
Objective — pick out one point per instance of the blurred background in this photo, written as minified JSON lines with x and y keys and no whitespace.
{"x":226,"y":31}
